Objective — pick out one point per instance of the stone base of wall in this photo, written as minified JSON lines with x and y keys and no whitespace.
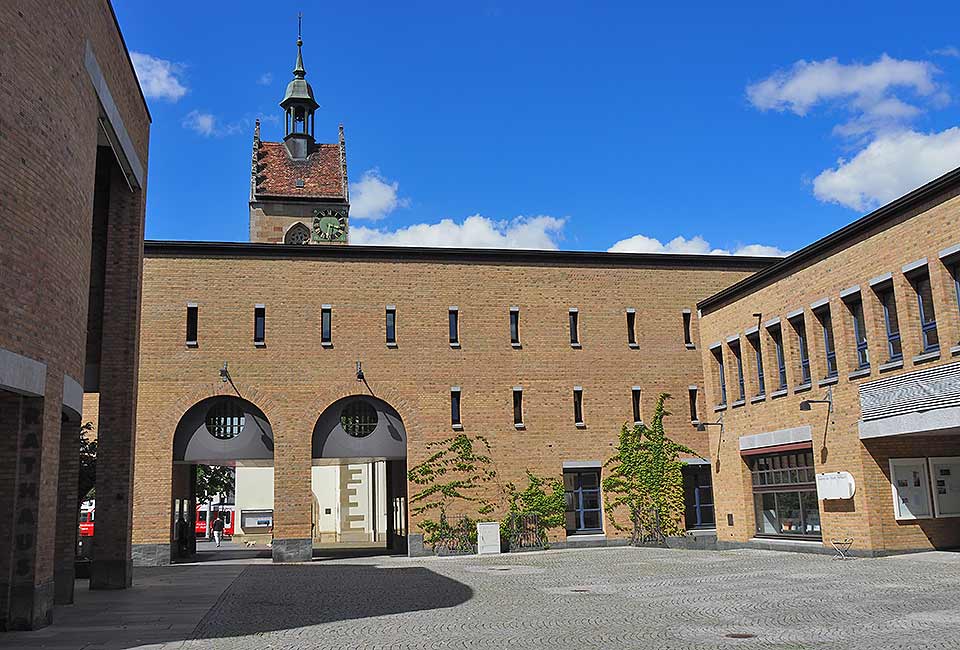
{"x":695,"y":540}
{"x":590,"y":541}
{"x":293,"y":550}
{"x":415,"y":547}
{"x":150,"y":554}
{"x":818,"y":549}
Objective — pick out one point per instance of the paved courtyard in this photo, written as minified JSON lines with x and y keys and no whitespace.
{"x":606,"y":598}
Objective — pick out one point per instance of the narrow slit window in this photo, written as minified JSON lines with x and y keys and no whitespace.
{"x":455,"y":406}
{"x":758,"y":363}
{"x":192,"y":324}
{"x":928,"y":318}
{"x":721,"y":375}
{"x":738,"y":357}
{"x":518,"y":406}
{"x":692,"y":393}
{"x":577,"y":405}
{"x":631,"y":327}
{"x":829,"y":345}
{"x":515,"y":326}
{"x":803,"y":350}
{"x":687,"y":334}
{"x":454,"y":322}
{"x":574,"y":327}
{"x":776,"y":335}
{"x":259,"y":324}
{"x":326,"y":325}
{"x":891,"y":323}
{"x":855,"y":305}
{"x":635,"y":395}
{"x":391,"y":325}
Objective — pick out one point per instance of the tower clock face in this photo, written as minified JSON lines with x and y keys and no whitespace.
{"x":329,"y":225}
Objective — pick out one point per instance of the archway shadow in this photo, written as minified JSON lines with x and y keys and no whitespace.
{"x":294,"y":596}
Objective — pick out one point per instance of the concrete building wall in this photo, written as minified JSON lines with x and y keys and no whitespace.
{"x":922,"y":228}
{"x":66,"y":72}
{"x":293,"y":378}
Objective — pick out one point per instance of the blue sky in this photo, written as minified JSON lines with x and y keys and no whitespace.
{"x":583,"y":126}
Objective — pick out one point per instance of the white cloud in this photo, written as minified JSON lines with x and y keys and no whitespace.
{"x":202,"y":123}
{"x":867,"y":91}
{"x":159,"y":78}
{"x":373,"y":197}
{"x":265,"y":79}
{"x":477,"y":231}
{"x":950,"y":51}
{"x":888,"y":167}
{"x":696,"y":245}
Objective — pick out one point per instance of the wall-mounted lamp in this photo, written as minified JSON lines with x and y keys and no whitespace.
{"x":224,"y":373}
{"x":360,"y":377}
{"x":805,"y":405}
{"x":702,"y":426}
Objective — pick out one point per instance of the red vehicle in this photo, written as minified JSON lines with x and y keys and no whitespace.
{"x":86,"y":518}
{"x":226,"y":512}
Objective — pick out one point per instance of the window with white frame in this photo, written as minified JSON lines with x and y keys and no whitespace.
{"x":192,"y":318}
{"x":574,"y":327}
{"x":578,"y":406}
{"x":453,"y":320}
{"x":515,"y":326}
{"x":391,"y":325}
{"x":635,"y":397}
{"x":632,"y":327}
{"x":455,"y":407}
{"x":518,"y":406}
{"x":911,"y":488}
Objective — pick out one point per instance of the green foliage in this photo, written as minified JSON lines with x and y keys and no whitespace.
{"x":645,"y":478}
{"x":86,"y":487}
{"x":454,"y":472}
{"x":213,"y":481}
{"x":542,"y":497}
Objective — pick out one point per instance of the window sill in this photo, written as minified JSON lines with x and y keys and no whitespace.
{"x":455,"y":346}
{"x":690,"y":346}
{"x":192,"y":344}
{"x":457,"y":427}
{"x":891,"y":365}
{"x":828,"y":381}
{"x":758,"y":399}
{"x":861,"y":372}
{"x":516,"y":346}
{"x":518,"y":425}
{"x":955,"y":350}
{"x":259,"y":344}
{"x":802,"y":387}
{"x":584,"y":536}
{"x":637,"y":423}
{"x":778,"y":393}
{"x":738,"y":403}
{"x":580,"y":425}
{"x":575,"y":346}
{"x":633,"y":346}
{"x":326,"y":344}
{"x":391,"y":345}
{"x":719,"y":407}
{"x":695,"y":423}
{"x":927,"y":356}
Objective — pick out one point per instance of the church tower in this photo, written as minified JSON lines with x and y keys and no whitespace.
{"x":298,"y":187}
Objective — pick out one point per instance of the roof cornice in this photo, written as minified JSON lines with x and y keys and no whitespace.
{"x":880,"y":219}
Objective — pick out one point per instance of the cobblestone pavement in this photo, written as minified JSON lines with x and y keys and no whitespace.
{"x":608,"y":598}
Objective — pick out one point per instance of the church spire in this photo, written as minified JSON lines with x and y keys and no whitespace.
{"x":298,"y":71}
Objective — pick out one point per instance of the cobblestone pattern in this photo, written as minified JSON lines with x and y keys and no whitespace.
{"x":609,"y":598}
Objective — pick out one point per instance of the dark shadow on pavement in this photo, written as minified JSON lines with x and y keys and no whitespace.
{"x":266,"y":598}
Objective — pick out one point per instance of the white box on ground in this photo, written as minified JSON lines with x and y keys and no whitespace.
{"x":488,"y":537}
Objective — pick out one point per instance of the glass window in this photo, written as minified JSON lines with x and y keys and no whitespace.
{"x":325,"y":325}
{"x":698,"y":496}
{"x":692,"y":393}
{"x":574,"y":327}
{"x":455,"y":406}
{"x":578,"y":405}
{"x":358,"y":418}
{"x":454,"y":319}
{"x":515,"y":326}
{"x":785,"y":495}
{"x":635,"y":395}
{"x":891,"y":323}
{"x":632,"y":327}
{"x":802,"y":349}
{"x":583,"y":507}
{"x":735,"y":349}
{"x":225,"y":419}
{"x":911,"y":488}
{"x":687,"y":316}
{"x":776,"y":335}
{"x":928,"y":318}
{"x":758,"y":356}
{"x":721,"y":375}
{"x":859,"y":332}
{"x":391,"y":325}
{"x":191,"y":324}
{"x":259,"y":324}
{"x":517,"y":406}
{"x":829,"y":347}
{"x":956,"y":282}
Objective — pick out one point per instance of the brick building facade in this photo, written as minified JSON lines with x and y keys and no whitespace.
{"x":857,"y":381}
{"x":72,"y":180}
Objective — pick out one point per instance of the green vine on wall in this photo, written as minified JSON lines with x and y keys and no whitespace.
{"x":543,"y":497}
{"x":455,"y":472}
{"x":645,"y":477}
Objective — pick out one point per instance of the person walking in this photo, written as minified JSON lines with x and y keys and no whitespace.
{"x":218,"y":528}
